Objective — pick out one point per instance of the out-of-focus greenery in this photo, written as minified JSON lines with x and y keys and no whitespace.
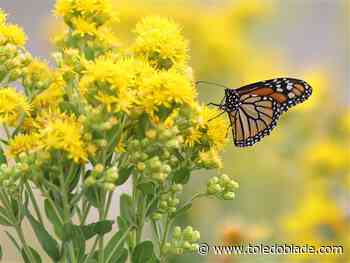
{"x":295,"y":183}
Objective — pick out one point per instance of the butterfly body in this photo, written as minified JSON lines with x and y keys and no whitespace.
{"x":254,"y":109}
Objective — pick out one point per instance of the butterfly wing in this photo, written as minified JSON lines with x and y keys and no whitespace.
{"x":261,"y":105}
{"x":254,"y":119}
{"x":287,"y":92}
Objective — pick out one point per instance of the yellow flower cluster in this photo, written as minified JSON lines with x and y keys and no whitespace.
{"x":90,"y":20}
{"x":9,"y":33}
{"x":318,"y":221}
{"x":64,"y":133}
{"x":160,"y":41}
{"x":13,"y":106}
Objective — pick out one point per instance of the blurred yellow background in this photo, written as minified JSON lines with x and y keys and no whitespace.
{"x":295,"y":184}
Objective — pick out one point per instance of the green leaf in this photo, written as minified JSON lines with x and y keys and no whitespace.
{"x":124,"y":174}
{"x":1,"y":253}
{"x":34,"y":253}
{"x":46,"y":240}
{"x":54,"y":218}
{"x":13,"y":241}
{"x":121,"y":257}
{"x":122,"y":223}
{"x":143,"y":252}
{"x":147,"y":188}
{"x":92,"y":196}
{"x":126,"y":210}
{"x":5,"y":221}
{"x":99,"y":228}
{"x":114,"y":244}
{"x":182,"y":175}
{"x":182,"y":210}
{"x":2,"y":157}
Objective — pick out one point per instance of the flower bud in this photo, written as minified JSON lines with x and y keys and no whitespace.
{"x":141,"y":166}
{"x":90,"y":181}
{"x":229,"y":196}
{"x":177,"y":232}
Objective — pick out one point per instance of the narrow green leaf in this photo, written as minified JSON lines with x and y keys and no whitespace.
{"x":181,"y":176}
{"x":114,"y":244}
{"x":13,"y":241}
{"x":120,"y":257}
{"x":182,"y":210}
{"x":143,"y":252}
{"x":124,"y":174}
{"x":2,"y":157}
{"x":34,"y":253}
{"x":46,"y":240}
{"x":91,"y":196}
{"x":147,"y":188}
{"x":122,"y":223}
{"x":99,"y":228}
{"x":1,"y":253}
{"x":126,"y":205}
{"x":5,"y":221}
{"x":53,"y":217}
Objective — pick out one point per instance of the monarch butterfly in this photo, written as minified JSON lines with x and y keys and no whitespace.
{"x":254,"y":109}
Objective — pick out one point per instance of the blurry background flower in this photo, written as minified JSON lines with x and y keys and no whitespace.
{"x":233,"y":43}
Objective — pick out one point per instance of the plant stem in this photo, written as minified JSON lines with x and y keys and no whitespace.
{"x":101,"y":237}
{"x":35,"y":204}
{"x":66,"y":212}
{"x":165,"y":235}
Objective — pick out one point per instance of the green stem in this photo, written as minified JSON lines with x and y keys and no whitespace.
{"x":66,"y":212}
{"x":165,"y":235}
{"x":35,"y":204}
{"x":20,"y":234}
{"x":101,"y":237}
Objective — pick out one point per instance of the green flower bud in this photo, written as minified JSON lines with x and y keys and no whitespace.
{"x":151,"y":134}
{"x":177,"y":232}
{"x":141,"y":166}
{"x":109,"y":187}
{"x":187,"y":233}
{"x":195,"y":236}
{"x":229,"y":196}
{"x":166,"y":248}
{"x":155,"y":165}
{"x":194,"y":247}
{"x":177,"y":188}
{"x":187,"y":245}
{"x":172,"y":209}
{"x":163,"y":204}
{"x":214,"y":180}
{"x":174,"y":202}
{"x":166,"y":168}
{"x":156,"y":216}
{"x":90,"y":181}
{"x":225,"y":178}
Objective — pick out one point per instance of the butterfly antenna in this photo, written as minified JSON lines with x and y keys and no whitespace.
{"x":210,"y":83}
{"x":217,"y":116}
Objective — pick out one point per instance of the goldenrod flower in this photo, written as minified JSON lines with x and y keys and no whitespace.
{"x":210,"y":159}
{"x":318,"y":219}
{"x":328,"y":155}
{"x":23,"y":143}
{"x":165,"y":88}
{"x":216,"y":128}
{"x":64,"y":133}
{"x":94,"y":10}
{"x":37,"y":74}
{"x":11,"y":34}
{"x":12,"y":106}
{"x":160,"y":41}
{"x":3,"y":17}
{"x":83,"y":27}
